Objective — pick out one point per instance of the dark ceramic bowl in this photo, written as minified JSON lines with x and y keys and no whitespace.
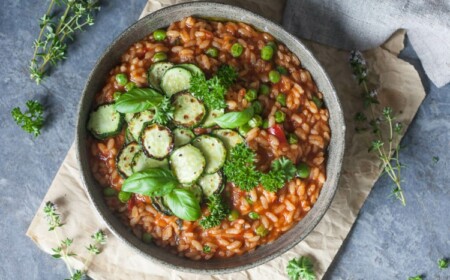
{"x":111,"y":58}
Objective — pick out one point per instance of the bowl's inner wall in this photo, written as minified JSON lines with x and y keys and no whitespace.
{"x":111,"y":58}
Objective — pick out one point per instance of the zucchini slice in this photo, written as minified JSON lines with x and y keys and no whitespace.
{"x":125,"y":158}
{"x":175,"y":79}
{"x":211,"y":183}
{"x":138,"y":122}
{"x":195,"y":70}
{"x":230,"y":138}
{"x":214,"y":151}
{"x":141,"y":162}
{"x":182,"y":136}
{"x":129,"y":116}
{"x":212,"y":114}
{"x":128,"y":137}
{"x":196,"y":190}
{"x":156,"y":72}
{"x":157,"y":141}
{"x":189,"y":111}
{"x":187,"y":164}
{"x":160,"y":206}
{"x":105,"y":122}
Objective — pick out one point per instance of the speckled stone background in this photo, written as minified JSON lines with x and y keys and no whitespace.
{"x":388,"y":241}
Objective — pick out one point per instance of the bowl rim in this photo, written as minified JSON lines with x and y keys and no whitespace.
{"x":340,"y":144}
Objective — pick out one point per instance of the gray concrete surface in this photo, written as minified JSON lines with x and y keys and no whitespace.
{"x":388,"y":241}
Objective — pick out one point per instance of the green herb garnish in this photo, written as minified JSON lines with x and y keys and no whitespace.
{"x":218,"y":209}
{"x":417,"y":277}
{"x":435,"y":159}
{"x":235,"y":119}
{"x":212,"y":92}
{"x":382,"y":144}
{"x":301,"y":268}
{"x":141,"y":99}
{"x":443,"y":263}
{"x":206,"y":249}
{"x":240,"y":167}
{"x":31,"y":120}
{"x":56,"y":31}
{"x":282,"y":170}
{"x":162,"y":182}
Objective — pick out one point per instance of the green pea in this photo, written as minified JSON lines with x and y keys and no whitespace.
{"x":159,"y":56}
{"x":273,"y":45}
{"x":292,"y":138}
{"x":280,"y":116}
{"x":253,"y":215}
{"x":129,"y":86}
{"x":124,"y":196}
{"x":267,"y":52}
{"x":303,"y":170}
{"x":121,"y":79}
{"x":256,"y":121}
{"x":261,"y":231}
{"x":317,"y":101}
{"x":274,"y":76}
{"x":265,"y":124}
{"x":236,"y":50}
{"x":212,"y":52}
{"x":281,"y":98}
{"x":264,"y":89}
{"x":234,"y":215}
{"x":159,"y":35}
{"x":109,"y":192}
{"x":244,"y":129}
{"x":116,"y":95}
{"x":147,"y":238}
{"x":257,"y":107}
{"x":251,"y":94}
{"x":282,"y":70}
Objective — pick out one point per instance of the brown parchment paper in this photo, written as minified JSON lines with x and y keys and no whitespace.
{"x":399,"y":87}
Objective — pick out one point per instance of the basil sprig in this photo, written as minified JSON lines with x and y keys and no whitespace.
{"x":162,"y":182}
{"x":235,"y":119}
{"x":138,"y":100}
{"x":183,"y":204}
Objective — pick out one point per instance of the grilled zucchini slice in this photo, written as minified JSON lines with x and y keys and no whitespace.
{"x":105,"y":122}
{"x":230,"y":138}
{"x":157,"y":141}
{"x":211,"y":183}
{"x":175,"y":80}
{"x":182,"y":136}
{"x":138,"y":122}
{"x":214,"y":151}
{"x":189,"y":111}
{"x":141,"y":162}
{"x":125,"y":158}
{"x":187,"y":164}
{"x":156,"y":72}
{"x":159,"y":204}
{"x":212,"y":114}
{"x":195,"y":70}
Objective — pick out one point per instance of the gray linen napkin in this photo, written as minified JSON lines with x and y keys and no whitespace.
{"x":362,"y":24}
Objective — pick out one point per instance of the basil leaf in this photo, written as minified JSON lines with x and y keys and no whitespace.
{"x":235,"y":119}
{"x":138,"y":100}
{"x":183,"y":204}
{"x":151,"y":182}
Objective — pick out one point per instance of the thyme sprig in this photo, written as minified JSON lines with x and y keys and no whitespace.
{"x":382,"y":145}
{"x":62,"y":251}
{"x":55,"y":32}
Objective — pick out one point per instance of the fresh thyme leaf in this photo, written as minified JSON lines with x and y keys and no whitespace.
{"x":53,"y":217}
{"x":435,"y":159}
{"x":99,"y":237}
{"x":218,"y":211}
{"x":240,"y":167}
{"x":55,"y":31}
{"x":94,"y":250}
{"x":417,"y":277}
{"x":78,"y":275}
{"x":300,"y":269}
{"x":31,"y":120}
{"x":443,"y":263}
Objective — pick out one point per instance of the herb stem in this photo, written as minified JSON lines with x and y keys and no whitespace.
{"x":64,"y":252}
{"x":41,"y":32}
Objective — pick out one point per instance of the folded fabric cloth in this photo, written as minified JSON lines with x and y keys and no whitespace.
{"x":360,"y":24}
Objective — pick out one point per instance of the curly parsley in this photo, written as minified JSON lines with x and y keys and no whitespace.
{"x":218,"y":211}
{"x":301,"y":268}
{"x":240,"y":167}
{"x":282,"y":170}
{"x":32,"y":120}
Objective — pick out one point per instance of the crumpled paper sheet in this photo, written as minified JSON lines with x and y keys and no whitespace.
{"x":399,"y":86}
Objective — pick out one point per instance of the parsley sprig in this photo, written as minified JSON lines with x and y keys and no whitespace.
{"x":240,"y":169}
{"x":382,"y":144}
{"x":301,"y":268}
{"x":212,"y":92}
{"x":32,"y":119}
{"x":218,"y":211}
{"x":51,"y":45}
{"x":62,"y":251}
